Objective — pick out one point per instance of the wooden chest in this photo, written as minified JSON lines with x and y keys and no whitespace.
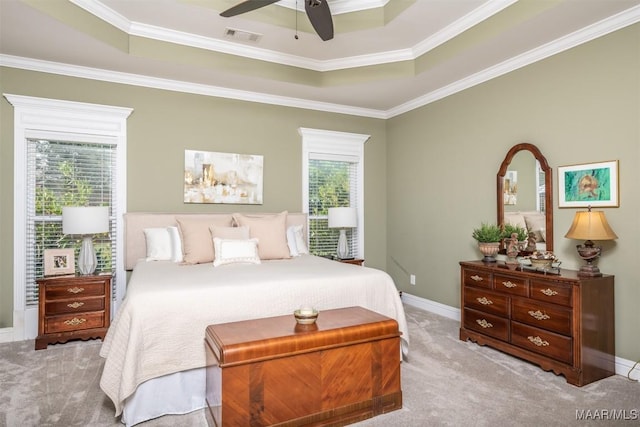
{"x":272,"y":371}
{"x":561,"y":322}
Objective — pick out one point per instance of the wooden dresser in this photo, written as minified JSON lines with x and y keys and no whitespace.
{"x":72,"y":307}
{"x":342,"y":369}
{"x":562,"y":322}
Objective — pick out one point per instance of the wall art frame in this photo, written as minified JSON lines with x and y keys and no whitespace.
{"x":58,"y":262}
{"x":589,"y":184}
{"x":227,"y":178}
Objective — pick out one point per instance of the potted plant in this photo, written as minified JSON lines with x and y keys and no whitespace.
{"x":488,"y":237}
{"x":509,"y":229}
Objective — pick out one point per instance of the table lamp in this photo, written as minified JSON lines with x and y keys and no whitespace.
{"x":590,"y":226}
{"x":85,"y":221}
{"x":342,"y":218}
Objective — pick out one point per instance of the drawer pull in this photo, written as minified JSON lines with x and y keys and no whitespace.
{"x":74,"y":322}
{"x":484,"y":301}
{"x":484,"y":324}
{"x":476,"y":278}
{"x":549,"y":292}
{"x":75,"y":304}
{"x":539,"y":315}
{"x":509,"y":284}
{"x":538,"y":341}
{"x":75,"y":290}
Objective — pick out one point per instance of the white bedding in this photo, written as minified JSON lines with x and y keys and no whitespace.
{"x":159,"y":329}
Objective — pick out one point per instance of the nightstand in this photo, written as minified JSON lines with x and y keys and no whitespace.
{"x":73,"y":307}
{"x":355,"y":261}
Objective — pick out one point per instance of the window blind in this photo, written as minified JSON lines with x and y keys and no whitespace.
{"x":332,"y":183}
{"x":62,"y":173}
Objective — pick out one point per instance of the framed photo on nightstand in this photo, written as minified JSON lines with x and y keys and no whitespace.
{"x":58,"y":262}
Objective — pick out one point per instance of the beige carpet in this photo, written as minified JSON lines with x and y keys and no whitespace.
{"x":445,"y":382}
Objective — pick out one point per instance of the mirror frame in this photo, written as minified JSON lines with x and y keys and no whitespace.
{"x":548,"y":181}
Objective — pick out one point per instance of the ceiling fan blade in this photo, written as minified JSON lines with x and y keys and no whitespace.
{"x":246,"y":6}
{"x":320,"y":16}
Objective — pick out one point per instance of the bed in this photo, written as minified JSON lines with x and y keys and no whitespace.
{"x":154,"y":350}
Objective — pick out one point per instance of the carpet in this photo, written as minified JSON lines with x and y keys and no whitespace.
{"x":445,"y":382}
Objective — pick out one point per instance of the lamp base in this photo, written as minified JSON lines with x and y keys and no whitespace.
{"x":343,"y":246}
{"x":589,"y":270}
{"x":87,"y":260}
{"x":589,"y":252}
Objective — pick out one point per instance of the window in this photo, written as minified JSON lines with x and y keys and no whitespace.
{"x":333,"y":169}
{"x":62,"y":173}
{"x":64,"y":152}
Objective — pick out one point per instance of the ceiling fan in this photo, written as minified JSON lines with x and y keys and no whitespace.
{"x":317,"y":10}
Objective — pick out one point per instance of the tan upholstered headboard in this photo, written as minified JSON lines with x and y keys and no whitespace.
{"x":135,"y":222}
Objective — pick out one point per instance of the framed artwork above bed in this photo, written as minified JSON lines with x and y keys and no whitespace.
{"x":228,"y":178}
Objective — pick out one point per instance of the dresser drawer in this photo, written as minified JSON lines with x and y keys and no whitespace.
{"x":497,"y":327}
{"x":477,"y":278}
{"x":74,"y":290}
{"x":547,"y":316}
{"x":557,"y":293}
{"x":487,"y":301}
{"x":512,"y":285}
{"x":76,"y":305}
{"x":74,"y":322}
{"x":544,"y":342}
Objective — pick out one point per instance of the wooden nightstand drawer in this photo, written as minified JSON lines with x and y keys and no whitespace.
{"x":487,"y":324}
{"x":73,"y":307}
{"x":476,"y":278}
{"x":76,"y":305}
{"x":546,"y":316}
{"x":556,"y":293}
{"x":547,"y":343}
{"x":512,"y":285}
{"x":74,"y":322}
{"x":487,"y":301}
{"x":73,"y":290}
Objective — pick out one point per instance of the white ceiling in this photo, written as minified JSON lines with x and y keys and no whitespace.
{"x":430,"y":50}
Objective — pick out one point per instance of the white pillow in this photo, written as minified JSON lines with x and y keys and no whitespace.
{"x":176,"y":244}
{"x":291,"y":241}
{"x":158,"y":244}
{"x":301,"y":246}
{"x":228,"y":251}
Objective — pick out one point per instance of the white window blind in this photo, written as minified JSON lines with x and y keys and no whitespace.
{"x":333,"y":182}
{"x":63,"y":173}
{"x":541,"y":190}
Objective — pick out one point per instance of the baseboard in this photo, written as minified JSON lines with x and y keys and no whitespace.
{"x":6,"y":334}
{"x":624,"y":367}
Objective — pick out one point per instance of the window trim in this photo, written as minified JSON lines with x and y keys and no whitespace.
{"x":69,"y":120}
{"x":334,"y":143}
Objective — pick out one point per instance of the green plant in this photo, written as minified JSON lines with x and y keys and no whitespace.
{"x":509,"y":229}
{"x":487,"y":233}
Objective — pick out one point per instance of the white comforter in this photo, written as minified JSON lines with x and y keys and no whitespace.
{"x":160,"y":326}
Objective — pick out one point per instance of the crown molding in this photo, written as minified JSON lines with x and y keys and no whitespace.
{"x":599,"y":29}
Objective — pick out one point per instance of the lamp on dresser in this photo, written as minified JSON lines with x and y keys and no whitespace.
{"x":85,"y":221}
{"x":589,"y":226}
{"x":342,"y":218}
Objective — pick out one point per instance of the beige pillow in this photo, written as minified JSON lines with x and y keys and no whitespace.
{"x":241,"y":233}
{"x":196,"y":238}
{"x":271,"y":232}
{"x":536,"y":223}
{"x":515,"y":219}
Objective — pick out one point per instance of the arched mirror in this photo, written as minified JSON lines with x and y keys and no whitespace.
{"x":525,"y":193}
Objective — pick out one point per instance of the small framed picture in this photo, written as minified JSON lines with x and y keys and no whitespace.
{"x":588,"y":184}
{"x":58,"y":262}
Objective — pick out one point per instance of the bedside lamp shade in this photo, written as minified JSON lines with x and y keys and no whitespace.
{"x":590,"y":225}
{"x":85,"y":221}
{"x":343,"y":218}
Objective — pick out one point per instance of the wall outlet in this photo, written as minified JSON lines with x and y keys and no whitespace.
{"x":412,"y":279}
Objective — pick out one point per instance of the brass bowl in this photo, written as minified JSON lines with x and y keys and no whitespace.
{"x":541,"y":263}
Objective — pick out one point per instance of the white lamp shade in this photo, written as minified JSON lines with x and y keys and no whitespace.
{"x":342,"y":218}
{"x":85,"y":219}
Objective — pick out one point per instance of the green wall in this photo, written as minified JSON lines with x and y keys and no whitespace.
{"x":429,"y":175}
{"x":580,"y":106}
{"x":164,"y":124}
